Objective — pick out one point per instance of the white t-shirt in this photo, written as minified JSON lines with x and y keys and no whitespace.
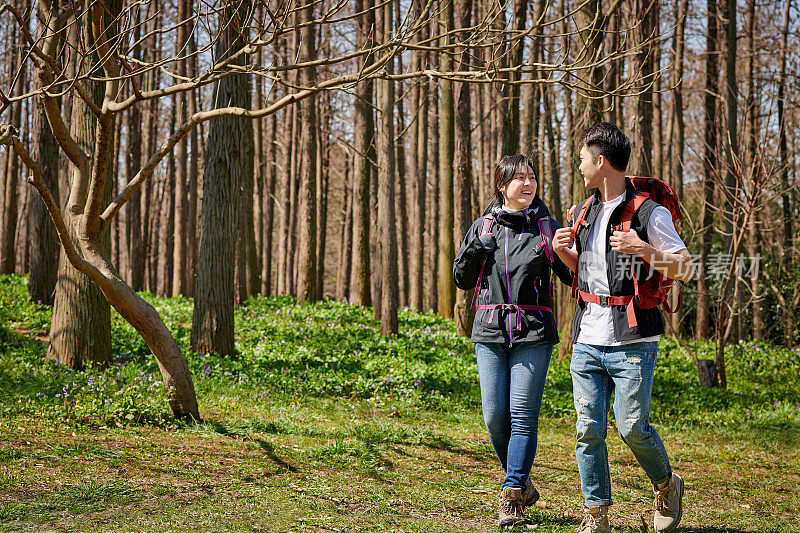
{"x":597,"y":326}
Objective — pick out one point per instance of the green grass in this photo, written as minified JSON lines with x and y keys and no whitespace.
{"x":320,"y":424}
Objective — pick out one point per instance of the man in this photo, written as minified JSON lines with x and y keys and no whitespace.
{"x":615,"y":345}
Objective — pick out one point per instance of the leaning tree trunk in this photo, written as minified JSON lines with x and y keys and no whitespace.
{"x":212,"y":320}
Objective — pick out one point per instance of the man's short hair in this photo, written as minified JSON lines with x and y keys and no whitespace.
{"x":607,"y":140}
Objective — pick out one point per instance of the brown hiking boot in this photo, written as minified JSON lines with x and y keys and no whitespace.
{"x":595,"y":520}
{"x":668,"y":505}
{"x":511,"y":505}
{"x":530,"y":495}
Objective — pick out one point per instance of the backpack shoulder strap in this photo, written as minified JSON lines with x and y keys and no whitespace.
{"x":546,"y":232}
{"x":630,"y":209}
{"x":486,"y":225}
{"x":581,"y":218}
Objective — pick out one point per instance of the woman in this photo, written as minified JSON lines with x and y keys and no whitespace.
{"x":507,"y":254}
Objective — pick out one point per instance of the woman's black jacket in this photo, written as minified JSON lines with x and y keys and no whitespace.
{"x":517,"y":271}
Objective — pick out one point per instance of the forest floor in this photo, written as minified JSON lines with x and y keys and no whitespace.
{"x":380,"y":454}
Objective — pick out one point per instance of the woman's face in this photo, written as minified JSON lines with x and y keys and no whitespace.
{"x":519,"y":192}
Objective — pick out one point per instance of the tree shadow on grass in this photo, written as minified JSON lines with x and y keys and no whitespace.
{"x":269,"y":450}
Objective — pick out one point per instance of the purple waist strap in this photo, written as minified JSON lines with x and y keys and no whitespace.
{"x":514,"y":307}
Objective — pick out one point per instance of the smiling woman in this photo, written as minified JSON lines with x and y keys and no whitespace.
{"x":507,"y":257}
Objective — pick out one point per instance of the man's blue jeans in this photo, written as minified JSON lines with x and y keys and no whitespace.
{"x":628,"y":371}
{"x":512,"y":381}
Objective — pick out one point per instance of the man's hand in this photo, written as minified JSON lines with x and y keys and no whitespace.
{"x":562,"y":239}
{"x":628,"y":242}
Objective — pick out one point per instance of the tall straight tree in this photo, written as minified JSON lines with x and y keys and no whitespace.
{"x":677,"y":132}
{"x":753,"y":165}
{"x":418,"y":165}
{"x":8,"y":231}
{"x":212,"y":319}
{"x":363,"y":140}
{"x":783,"y":149}
{"x":462,"y":183}
{"x":181,"y":237}
{"x":447,"y":289}
{"x":386,"y":177}
{"x":709,"y":171}
{"x":730,"y":96}
{"x":43,"y":239}
{"x":307,"y":251}
{"x":641,"y":162}
{"x":511,"y":122}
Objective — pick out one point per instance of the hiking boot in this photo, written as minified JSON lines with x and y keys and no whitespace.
{"x":511,"y":505}
{"x":595,"y":520}
{"x":529,"y":495}
{"x":668,"y":505}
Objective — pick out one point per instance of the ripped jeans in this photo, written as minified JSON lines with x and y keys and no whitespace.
{"x":628,"y":371}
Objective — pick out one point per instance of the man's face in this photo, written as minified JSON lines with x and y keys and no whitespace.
{"x":590,"y":168}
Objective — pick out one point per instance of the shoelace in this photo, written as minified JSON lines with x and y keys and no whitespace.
{"x":662,"y":498}
{"x":590,"y":520}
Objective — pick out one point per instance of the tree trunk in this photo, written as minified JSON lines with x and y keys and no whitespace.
{"x":180,"y":236}
{"x":307,"y":225}
{"x":386,"y":178}
{"x":43,"y":239}
{"x":322,"y":177}
{"x":641,"y":162}
{"x":418,"y":167}
{"x":247,"y":260}
{"x":363,"y":139}
{"x":282,"y":269}
{"x":462,"y":184}
{"x":754,"y":167}
{"x":80,"y":329}
{"x":511,"y":123}
{"x":8,"y":233}
{"x":191,"y":212}
{"x":269,"y":188}
{"x":212,"y":320}
{"x":166,"y":223}
{"x":676,"y":147}
{"x":432,"y":210}
{"x":447,"y":289}
{"x":787,"y":196}
{"x":346,"y":236}
{"x":709,"y":172}
{"x":730,"y":95}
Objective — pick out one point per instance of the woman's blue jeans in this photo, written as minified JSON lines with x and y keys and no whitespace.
{"x":512,"y":381}
{"x":626,"y":370}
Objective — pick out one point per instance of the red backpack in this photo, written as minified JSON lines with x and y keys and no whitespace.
{"x":652,"y":292}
